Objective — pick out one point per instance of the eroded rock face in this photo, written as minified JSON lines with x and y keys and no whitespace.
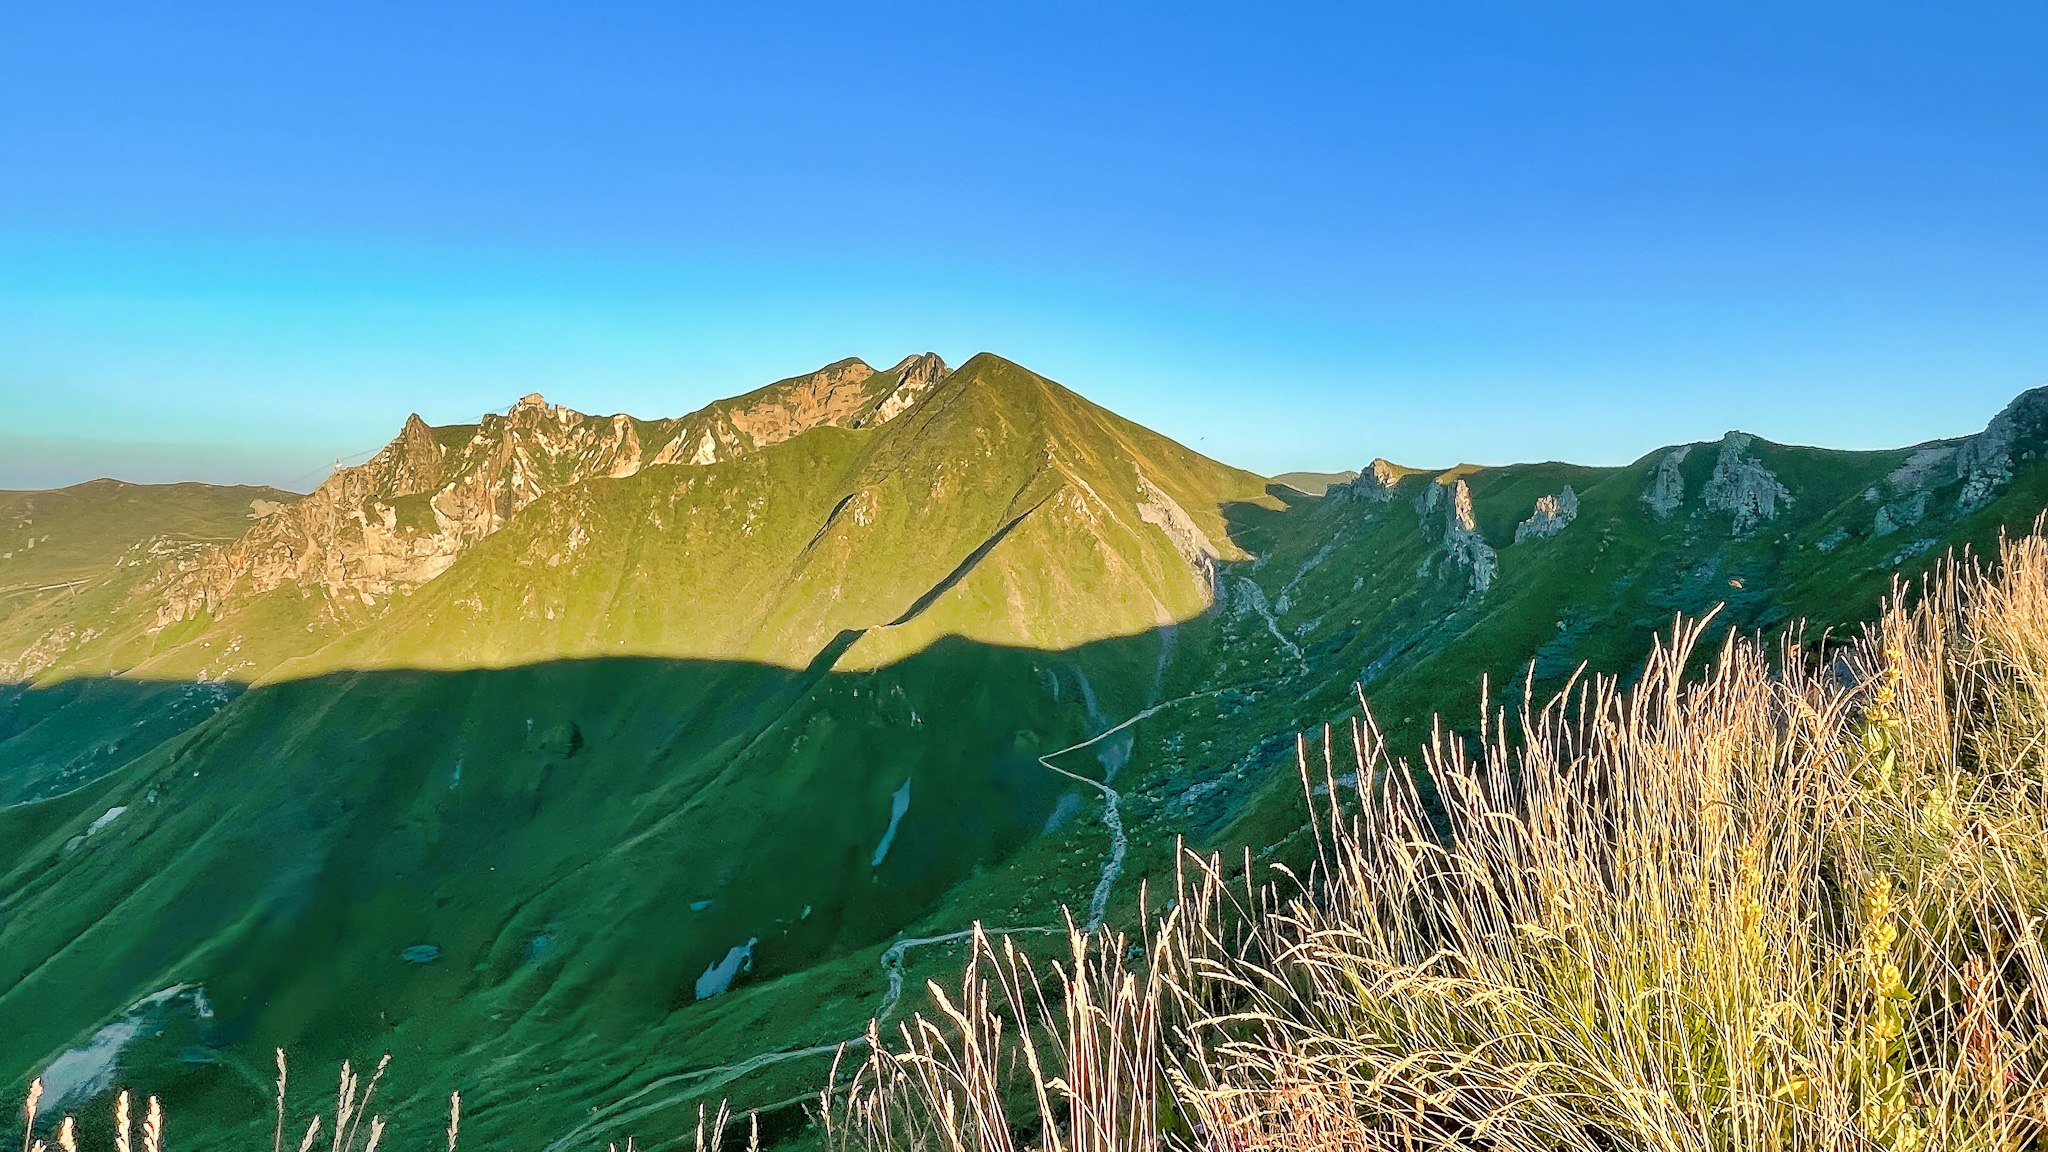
{"x":1985,"y":462}
{"x":1550,"y":517}
{"x":1462,"y":538}
{"x":830,"y":396}
{"x":1925,"y":466}
{"x":1157,"y":508}
{"x":401,"y":518}
{"x":916,"y":375}
{"x":405,"y":515}
{"x":1900,"y":514}
{"x":1376,"y":482}
{"x":1667,"y":486}
{"x":1742,"y":486}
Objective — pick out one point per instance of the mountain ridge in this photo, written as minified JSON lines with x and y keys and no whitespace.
{"x":673,"y":770}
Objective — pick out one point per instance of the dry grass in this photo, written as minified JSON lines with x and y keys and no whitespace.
{"x":1776,"y":906}
{"x":344,"y":1132}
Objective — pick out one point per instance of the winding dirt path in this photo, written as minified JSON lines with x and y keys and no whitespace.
{"x":701,"y":1082}
{"x":1112,"y":800}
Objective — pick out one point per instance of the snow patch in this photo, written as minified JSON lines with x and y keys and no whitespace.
{"x":84,"y":1072}
{"x":720,"y":976}
{"x":899,"y":803}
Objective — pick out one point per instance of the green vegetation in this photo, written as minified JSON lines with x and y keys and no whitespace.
{"x":681,"y":775}
{"x":1314,"y":483}
{"x":77,"y":533}
{"x":1782,"y":905}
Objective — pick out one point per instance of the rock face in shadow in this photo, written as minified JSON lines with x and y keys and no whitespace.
{"x":1666,"y":490}
{"x":1986,"y":462}
{"x":1462,"y":540}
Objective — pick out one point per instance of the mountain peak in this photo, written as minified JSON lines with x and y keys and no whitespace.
{"x":915,"y":375}
{"x":920,"y":364}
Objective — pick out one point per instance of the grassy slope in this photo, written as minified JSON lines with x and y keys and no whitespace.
{"x":681,"y":744}
{"x":1313,"y":483}
{"x":681,"y":739}
{"x":80,"y":531}
{"x":96,"y":541}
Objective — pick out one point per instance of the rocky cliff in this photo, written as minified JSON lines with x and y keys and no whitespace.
{"x":402,"y":517}
{"x":1741,"y":486}
{"x":1551,"y":516}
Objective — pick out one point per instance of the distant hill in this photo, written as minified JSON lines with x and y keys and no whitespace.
{"x":75,"y":533}
{"x":1314,"y":483}
{"x":604,"y":766}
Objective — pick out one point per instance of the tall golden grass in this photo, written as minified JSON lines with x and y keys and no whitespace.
{"x":1782,"y":903}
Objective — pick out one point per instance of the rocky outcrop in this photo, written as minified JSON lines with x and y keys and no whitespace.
{"x":1157,"y":508}
{"x":833,"y":395}
{"x":1550,"y":517}
{"x":915,"y":376}
{"x":1986,"y":462}
{"x":1376,"y":482}
{"x":402,"y":517}
{"x":1461,"y":532}
{"x":405,"y":515}
{"x":1431,"y":498}
{"x":1899,"y":514}
{"x":1667,"y":485}
{"x":1741,"y":486}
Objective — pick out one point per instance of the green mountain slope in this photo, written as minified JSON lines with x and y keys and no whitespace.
{"x":600,"y":784}
{"x":53,"y":542}
{"x":1314,"y":483}
{"x":782,"y":703}
{"x":66,"y":557}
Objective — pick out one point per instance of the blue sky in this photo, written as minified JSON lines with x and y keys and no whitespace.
{"x":237,"y":242}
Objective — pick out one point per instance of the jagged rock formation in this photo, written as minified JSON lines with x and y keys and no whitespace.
{"x":1985,"y":462}
{"x":1667,"y":488}
{"x":1461,"y":531}
{"x":1742,"y":486}
{"x":1550,"y":517}
{"x":843,"y":394}
{"x":402,"y":518}
{"x":916,"y":375}
{"x":1376,"y":482}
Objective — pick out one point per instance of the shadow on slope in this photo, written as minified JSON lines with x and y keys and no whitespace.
{"x":519,"y":880}
{"x":541,"y":884}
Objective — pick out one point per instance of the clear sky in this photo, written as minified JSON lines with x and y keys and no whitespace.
{"x":240,"y":241}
